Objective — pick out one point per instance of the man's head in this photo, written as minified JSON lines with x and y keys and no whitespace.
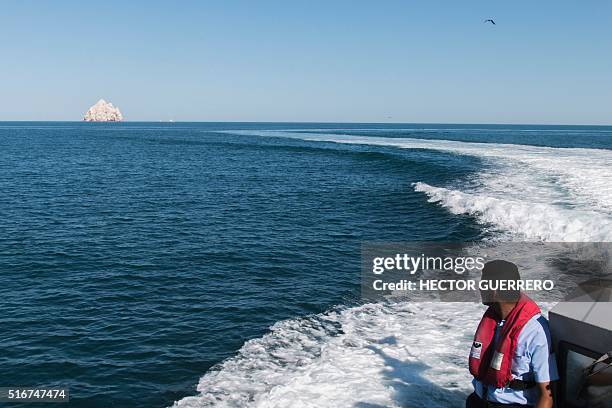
{"x":495,"y":271}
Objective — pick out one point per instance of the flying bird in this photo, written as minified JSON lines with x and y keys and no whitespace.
{"x":490,"y":21}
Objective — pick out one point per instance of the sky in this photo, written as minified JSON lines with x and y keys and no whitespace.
{"x":428,"y":61}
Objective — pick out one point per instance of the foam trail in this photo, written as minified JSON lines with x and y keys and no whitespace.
{"x":364,"y":355}
{"x":531,"y":192}
{"x":525,"y":220}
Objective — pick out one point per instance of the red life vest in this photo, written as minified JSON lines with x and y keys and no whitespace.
{"x":492,"y":365}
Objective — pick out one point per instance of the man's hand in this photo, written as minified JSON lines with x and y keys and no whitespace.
{"x":545,"y":400}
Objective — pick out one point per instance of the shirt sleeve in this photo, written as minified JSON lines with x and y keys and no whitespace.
{"x":543,"y":362}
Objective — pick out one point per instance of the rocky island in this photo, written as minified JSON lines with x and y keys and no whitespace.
{"x":103,"y":111}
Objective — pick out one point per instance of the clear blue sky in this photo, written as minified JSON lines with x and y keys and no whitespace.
{"x":359,"y":61}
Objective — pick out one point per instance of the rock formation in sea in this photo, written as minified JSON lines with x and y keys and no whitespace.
{"x":103,"y":111}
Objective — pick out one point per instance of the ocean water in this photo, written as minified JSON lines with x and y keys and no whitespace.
{"x":217,"y":264}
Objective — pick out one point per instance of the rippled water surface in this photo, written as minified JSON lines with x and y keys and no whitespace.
{"x":134,"y":257}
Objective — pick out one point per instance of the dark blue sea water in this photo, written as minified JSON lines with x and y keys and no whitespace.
{"x":136,"y":256}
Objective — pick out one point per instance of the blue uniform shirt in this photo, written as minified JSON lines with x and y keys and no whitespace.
{"x":533,"y":361}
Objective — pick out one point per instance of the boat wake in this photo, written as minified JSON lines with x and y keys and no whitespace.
{"x":524,"y":192}
{"x":374,"y":355}
{"x":524,"y":220}
{"x":414,"y":354}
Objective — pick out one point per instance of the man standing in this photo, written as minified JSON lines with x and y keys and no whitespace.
{"x":511,"y":357}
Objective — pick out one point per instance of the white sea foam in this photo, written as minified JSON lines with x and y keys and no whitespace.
{"x":368,"y":356}
{"x":525,"y":220}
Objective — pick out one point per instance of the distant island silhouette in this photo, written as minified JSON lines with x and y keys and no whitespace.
{"x":103,"y":111}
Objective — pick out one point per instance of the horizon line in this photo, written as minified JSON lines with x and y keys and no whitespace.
{"x":310,"y":122}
